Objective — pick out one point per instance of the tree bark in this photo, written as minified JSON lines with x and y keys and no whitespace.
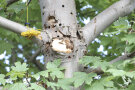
{"x":60,"y":27}
{"x":11,"y":25}
{"x":99,"y":23}
{"x":59,"y":22}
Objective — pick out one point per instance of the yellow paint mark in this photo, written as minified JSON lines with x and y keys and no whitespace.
{"x":31,"y":33}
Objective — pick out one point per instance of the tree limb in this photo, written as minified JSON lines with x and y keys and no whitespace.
{"x":99,"y":23}
{"x":33,"y":60}
{"x":33,"y":57}
{"x":38,"y":65}
{"x":99,"y":70}
{"x":123,"y":57}
{"x":12,"y":26}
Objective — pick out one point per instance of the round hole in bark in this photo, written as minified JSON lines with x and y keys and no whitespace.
{"x":63,"y":6}
{"x":55,"y":31}
{"x":43,"y":13}
{"x":69,"y":56}
{"x":48,"y":26}
{"x":71,"y":13}
{"x":58,"y":36}
{"x":43,"y":7}
{"x":85,"y":67}
{"x":51,"y":17}
{"x":60,"y":24}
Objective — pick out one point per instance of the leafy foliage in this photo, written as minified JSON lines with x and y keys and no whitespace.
{"x":5,"y":46}
{"x":94,"y":62}
{"x":80,"y":78}
{"x":114,"y":41}
{"x":115,"y":77}
{"x":19,"y":72}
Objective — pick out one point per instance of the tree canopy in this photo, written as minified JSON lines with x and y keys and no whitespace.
{"x":112,"y":52}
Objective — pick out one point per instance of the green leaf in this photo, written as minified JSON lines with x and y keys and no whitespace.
{"x":14,"y":74}
{"x":129,"y":38}
{"x":108,"y":83}
{"x":52,"y":85}
{"x":89,"y":78}
{"x":121,"y":24}
{"x":5,"y":46}
{"x":34,"y":86}
{"x":3,"y":3}
{"x":17,"y":8}
{"x":18,"y":86}
{"x":57,"y":62}
{"x":81,"y":1}
{"x":131,"y":74}
{"x":81,"y":77}
{"x":2,"y":80}
{"x":36,"y":76}
{"x":18,"y":70}
{"x":19,"y":67}
{"x":57,"y":73}
{"x":52,"y":65}
{"x":86,"y":60}
{"x":95,"y":86}
{"x":105,"y":41}
{"x":65,"y":83}
{"x":101,"y":84}
{"x":94,"y":62}
{"x":44,"y":73}
{"x":129,"y":48}
{"x":54,"y":69}
{"x":116,"y":72}
{"x":131,"y":87}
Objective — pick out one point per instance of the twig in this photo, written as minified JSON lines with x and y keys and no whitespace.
{"x":27,"y":78}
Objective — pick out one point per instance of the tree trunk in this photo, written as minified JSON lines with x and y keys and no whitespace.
{"x":61,"y":36}
{"x":59,"y":23}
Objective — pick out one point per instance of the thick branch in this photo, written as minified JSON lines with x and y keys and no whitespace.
{"x":106,"y":18}
{"x":33,"y":59}
{"x":123,"y":57}
{"x":38,"y":65}
{"x":12,"y":26}
{"x":35,"y":55}
{"x":99,"y":71}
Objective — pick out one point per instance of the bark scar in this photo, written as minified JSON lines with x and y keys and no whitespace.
{"x":52,"y":21}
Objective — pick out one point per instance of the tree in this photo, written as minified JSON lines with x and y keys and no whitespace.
{"x":63,"y":38}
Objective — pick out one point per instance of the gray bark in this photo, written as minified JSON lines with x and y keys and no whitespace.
{"x":11,"y":25}
{"x":99,"y":23}
{"x":59,"y":22}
